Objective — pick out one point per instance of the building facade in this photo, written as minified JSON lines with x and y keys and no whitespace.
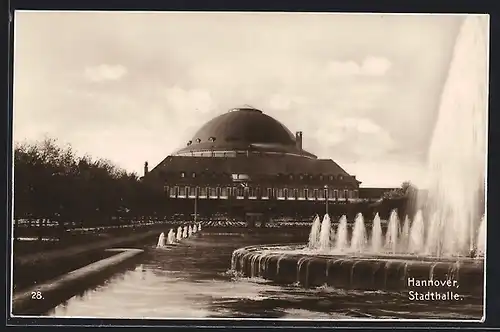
{"x":244,"y":161}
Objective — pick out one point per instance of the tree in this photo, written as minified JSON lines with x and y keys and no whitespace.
{"x":51,"y":182}
{"x":407,"y":189}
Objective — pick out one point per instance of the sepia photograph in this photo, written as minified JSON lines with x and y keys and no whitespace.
{"x":249,"y":165}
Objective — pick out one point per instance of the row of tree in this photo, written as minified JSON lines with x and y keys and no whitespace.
{"x":52,"y":182}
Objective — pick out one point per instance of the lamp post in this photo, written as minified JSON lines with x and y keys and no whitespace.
{"x":195,"y":203}
{"x":326,"y":198}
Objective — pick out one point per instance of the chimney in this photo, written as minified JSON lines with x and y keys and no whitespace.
{"x":145,"y":168}
{"x":298,"y":139}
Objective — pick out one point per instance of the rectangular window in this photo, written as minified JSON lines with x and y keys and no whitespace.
{"x":280,"y":193}
{"x":213,"y":192}
{"x":341,"y":194}
{"x":331,"y":194}
{"x":346,"y":194}
{"x":252,"y":193}
{"x":182,"y":192}
{"x":192,"y":192}
{"x":166,"y":189}
{"x":266,"y":193}
{"x":240,"y":192}
{"x":291,"y":194}
{"x":321,"y":194}
{"x":355,"y":194}
{"x":224,"y":192}
{"x":202,"y":192}
{"x":301,"y":194}
{"x":173,"y":192}
{"x":310,"y":194}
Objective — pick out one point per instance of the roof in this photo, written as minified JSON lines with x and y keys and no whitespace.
{"x":244,"y":128}
{"x":263,"y":165}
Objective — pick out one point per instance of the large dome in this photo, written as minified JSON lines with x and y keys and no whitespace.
{"x":243,"y":130}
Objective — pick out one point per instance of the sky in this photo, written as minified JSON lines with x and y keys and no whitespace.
{"x":134,"y":87}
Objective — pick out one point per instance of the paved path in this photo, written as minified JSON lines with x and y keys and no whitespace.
{"x":47,"y":292}
{"x":52,"y":255}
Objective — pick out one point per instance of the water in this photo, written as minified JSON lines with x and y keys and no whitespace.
{"x":405,"y":235}
{"x":358,"y":242}
{"x":376,"y":239}
{"x":191,"y":280}
{"x":457,"y":154}
{"x":161,"y":240}
{"x":391,"y":237}
{"x":179,"y":233}
{"x":456,"y":166}
{"x":341,"y":239}
{"x":171,"y":237}
{"x":481,"y":237}
{"x":315,"y":232}
{"x":416,"y":240}
{"x":325,"y":235}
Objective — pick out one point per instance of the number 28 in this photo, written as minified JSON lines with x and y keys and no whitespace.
{"x":36,"y":295}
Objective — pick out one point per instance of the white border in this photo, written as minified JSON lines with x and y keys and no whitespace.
{"x":423,"y":320}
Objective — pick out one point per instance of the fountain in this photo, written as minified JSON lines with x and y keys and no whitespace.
{"x":391,"y":237}
{"x":190,"y":230}
{"x":185,"y":232}
{"x":358,"y":242}
{"x":325,"y":234}
{"x":171,"y":237}
{"x":314,"y":235}
{"x":179,"y":233}
{"x":341,"y":243}
{"x":445,"y":240}
{"x":161,"y":241}
{"x":376,"y":240}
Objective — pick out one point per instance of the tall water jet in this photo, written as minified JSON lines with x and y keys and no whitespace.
{"x":314,"y":234}
{"x":416,"y":238}
{"x":161,"y":240}
{"x":432,"y":242}
{"x":199,"y":227}
{"x":481,"y":238}
{"x":171,"y":237}
{"x":179,"y":233}
{"x":341,"y":242}
{"x":195,"y":228}
{"x":457,"y":154}
{"x":376,"y":239}
{"x":358,"y":241}
{"x":391,"y":235}
{"x":405,"y":235}
{"x":190,"y":230}
{"x":185,"y":232}
{"x":325,"y":239}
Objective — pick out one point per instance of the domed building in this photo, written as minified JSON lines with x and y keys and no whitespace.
{"x":245,"y":163}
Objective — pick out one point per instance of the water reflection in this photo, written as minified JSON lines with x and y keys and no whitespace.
{"x":191,"y":280}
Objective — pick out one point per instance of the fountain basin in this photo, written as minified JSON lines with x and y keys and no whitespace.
{"x":297,"y":264}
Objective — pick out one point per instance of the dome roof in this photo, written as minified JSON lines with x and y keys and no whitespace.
{"x":244,"y":129}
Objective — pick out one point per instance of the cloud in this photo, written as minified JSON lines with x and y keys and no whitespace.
{"x":105,"y":72}
{"x":388,"y":173}
{"x":371,"y":66}
{"x":353,"y":139}
{"x":189,"y":100}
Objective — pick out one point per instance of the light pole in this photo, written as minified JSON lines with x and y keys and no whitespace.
{"x":326,"y":198}
{"x":195,"y":203}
